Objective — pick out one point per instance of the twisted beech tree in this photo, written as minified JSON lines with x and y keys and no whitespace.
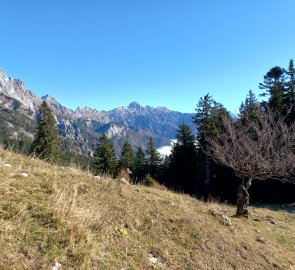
{"x":270,"y":154}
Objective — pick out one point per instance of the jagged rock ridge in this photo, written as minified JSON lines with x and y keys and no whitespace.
{"x":81,"y":128}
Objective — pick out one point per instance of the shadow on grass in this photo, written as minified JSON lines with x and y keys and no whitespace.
{"x":278,"y":207}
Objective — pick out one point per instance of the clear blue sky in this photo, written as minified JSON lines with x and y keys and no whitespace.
{"x":106,"y":53}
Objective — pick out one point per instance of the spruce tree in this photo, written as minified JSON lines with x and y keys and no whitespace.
{"x":274,"y":87}
{"x":127,"y":160}
{"x":153,"y":158}
{"x":290,"y":88}
{"x":183,"y":161}
{"x":46,"y":141}
{"x":140,"y":164}
{"x":291,"y":81}
{"x":250,"y":108}
{"x":105,"y":158}
{"x":250,"y":113}
{"x":208,"y":120}
{"x":202,"y":118}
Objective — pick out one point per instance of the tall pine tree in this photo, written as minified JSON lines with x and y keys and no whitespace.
{"x":208,"y":120}
{"x":274,"y":87}
{"x":153,"y":159}
{"x":249,"y":109}
{"x":140,"y":164}
{"x":46,"y":141}
{"x":290,"y":88}
{"x":105,"y":158}
{"x":250,"y":114}
{"x":127,"y":160}
{"x":183,"y":162}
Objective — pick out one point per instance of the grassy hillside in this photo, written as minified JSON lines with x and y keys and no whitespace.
{"x":84,"y":222}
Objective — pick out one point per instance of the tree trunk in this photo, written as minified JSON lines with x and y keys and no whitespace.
{"x":208,"y":176}
{"x":243,"y":198}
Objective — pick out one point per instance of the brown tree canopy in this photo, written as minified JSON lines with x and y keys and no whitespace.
{"x":257,"y":150}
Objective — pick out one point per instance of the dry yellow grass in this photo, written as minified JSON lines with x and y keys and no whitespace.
{"x":83,"y":222}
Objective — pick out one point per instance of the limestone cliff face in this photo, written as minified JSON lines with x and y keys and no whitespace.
{"x":16,"y":89}
{"x":81,"y":128}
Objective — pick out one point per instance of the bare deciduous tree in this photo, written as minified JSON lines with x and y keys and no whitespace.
{"x":262,"y":150}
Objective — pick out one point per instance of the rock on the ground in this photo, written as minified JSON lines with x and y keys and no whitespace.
{"x":261,"y":239}
{"x":7,"y":165}
{"x":56,"y":266}
{"x":156,"y":261}
{"x":226,"y":220}
{"x":123,"y":180}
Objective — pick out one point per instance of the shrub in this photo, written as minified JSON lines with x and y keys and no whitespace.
{"x":149,"y":181}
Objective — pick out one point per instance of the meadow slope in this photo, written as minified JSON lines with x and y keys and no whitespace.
{"x":66,"y":215}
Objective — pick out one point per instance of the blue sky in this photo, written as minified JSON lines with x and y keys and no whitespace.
{"x":107,"y":53}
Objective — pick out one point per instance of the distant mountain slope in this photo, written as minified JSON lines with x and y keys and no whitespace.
{"x":81,"y":128}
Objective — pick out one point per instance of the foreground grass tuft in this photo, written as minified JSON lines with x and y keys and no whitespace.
{"x":63,"y":215}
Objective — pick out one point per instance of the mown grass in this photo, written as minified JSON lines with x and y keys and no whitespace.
{"x":66,"y":215}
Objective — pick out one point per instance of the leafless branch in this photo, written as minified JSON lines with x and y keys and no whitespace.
{"x":269,"y":153}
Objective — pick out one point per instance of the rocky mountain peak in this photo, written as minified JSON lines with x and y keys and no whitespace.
{"x":134,"y":105}
{"x":15,"y":88}
{"x":83,"y":126}
{"x":2,"y":73}
{"x":60,"y":110}
{"x":49,"y":99}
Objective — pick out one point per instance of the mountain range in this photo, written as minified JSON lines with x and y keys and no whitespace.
{"x":80,"y":129}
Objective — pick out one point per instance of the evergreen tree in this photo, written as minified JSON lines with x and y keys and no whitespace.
{"x":105,"y":158}
{"x":274,"y":87}
{"x":208,"y":120}
{"x":46,"y":141}
{"x":290,"y":87}
{"x":183,"y":161}
{"x":153,"y":159}
{"x":291,"y":81}
{"x":202,"y":118}
{"x":127,"y":160}
{"x":250,"y":113}
{"x":140,"y":164}
{"x":250,"y":108}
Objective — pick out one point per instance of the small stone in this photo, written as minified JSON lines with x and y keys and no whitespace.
{"x":226,"y":220}
{"x":24,"y":175}
{"x":7,"y":165}
{"x":56,"y":266}
{"x":156,"y":261}
{"x":261,"y":239}
{"x":273,"y":222}
{"x":276,"y":265}
{"x":123,"y":180}
{"x":153,"y":259}
{"x":97,"y":176}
